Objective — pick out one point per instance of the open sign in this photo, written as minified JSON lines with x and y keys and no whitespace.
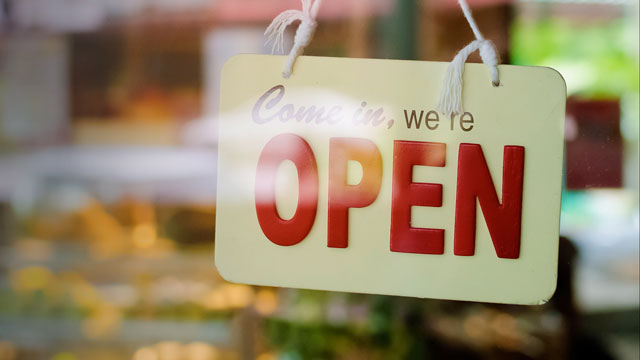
{"x":474,"y":183}
{"x":381,"y":193}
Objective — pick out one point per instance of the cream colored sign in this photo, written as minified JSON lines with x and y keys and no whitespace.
{"x":344,"y":177}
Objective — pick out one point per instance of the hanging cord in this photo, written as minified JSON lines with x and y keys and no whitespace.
{"x":451,"y":94}
{"x":307,"y":18}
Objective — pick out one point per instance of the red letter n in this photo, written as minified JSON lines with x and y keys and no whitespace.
{"x":343,"y":196}
{"x":503,"y":219}
{"x":406,"y":193}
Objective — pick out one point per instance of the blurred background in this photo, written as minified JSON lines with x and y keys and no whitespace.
{"x":108,"y":177}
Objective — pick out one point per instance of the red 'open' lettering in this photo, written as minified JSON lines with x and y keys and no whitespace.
{"x":503,"y":220}
{"x":343,"y":196}
{"x":286,"y":147}
{"x":406,"y":193}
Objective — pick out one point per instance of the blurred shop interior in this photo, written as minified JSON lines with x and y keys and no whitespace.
{"x":108,"y":177}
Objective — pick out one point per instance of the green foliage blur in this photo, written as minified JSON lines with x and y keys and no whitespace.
{"x":599,"y":60}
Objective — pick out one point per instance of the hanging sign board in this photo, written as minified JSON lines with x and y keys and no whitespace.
{"x":344,"y":177}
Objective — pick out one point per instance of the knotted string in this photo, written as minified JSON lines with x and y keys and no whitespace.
{"x":275,"y":31}
{"x":451,"y":94}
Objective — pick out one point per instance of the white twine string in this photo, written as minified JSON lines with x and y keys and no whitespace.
{"x":451,"y":95}
{"x":275,"y":31}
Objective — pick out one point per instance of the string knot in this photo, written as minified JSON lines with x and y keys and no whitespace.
{"x":489,"y":56}
{"x":451,"y":95}
{"x":304,"y":33}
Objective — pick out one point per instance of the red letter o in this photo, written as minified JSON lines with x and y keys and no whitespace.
{"x":286,"y":147}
